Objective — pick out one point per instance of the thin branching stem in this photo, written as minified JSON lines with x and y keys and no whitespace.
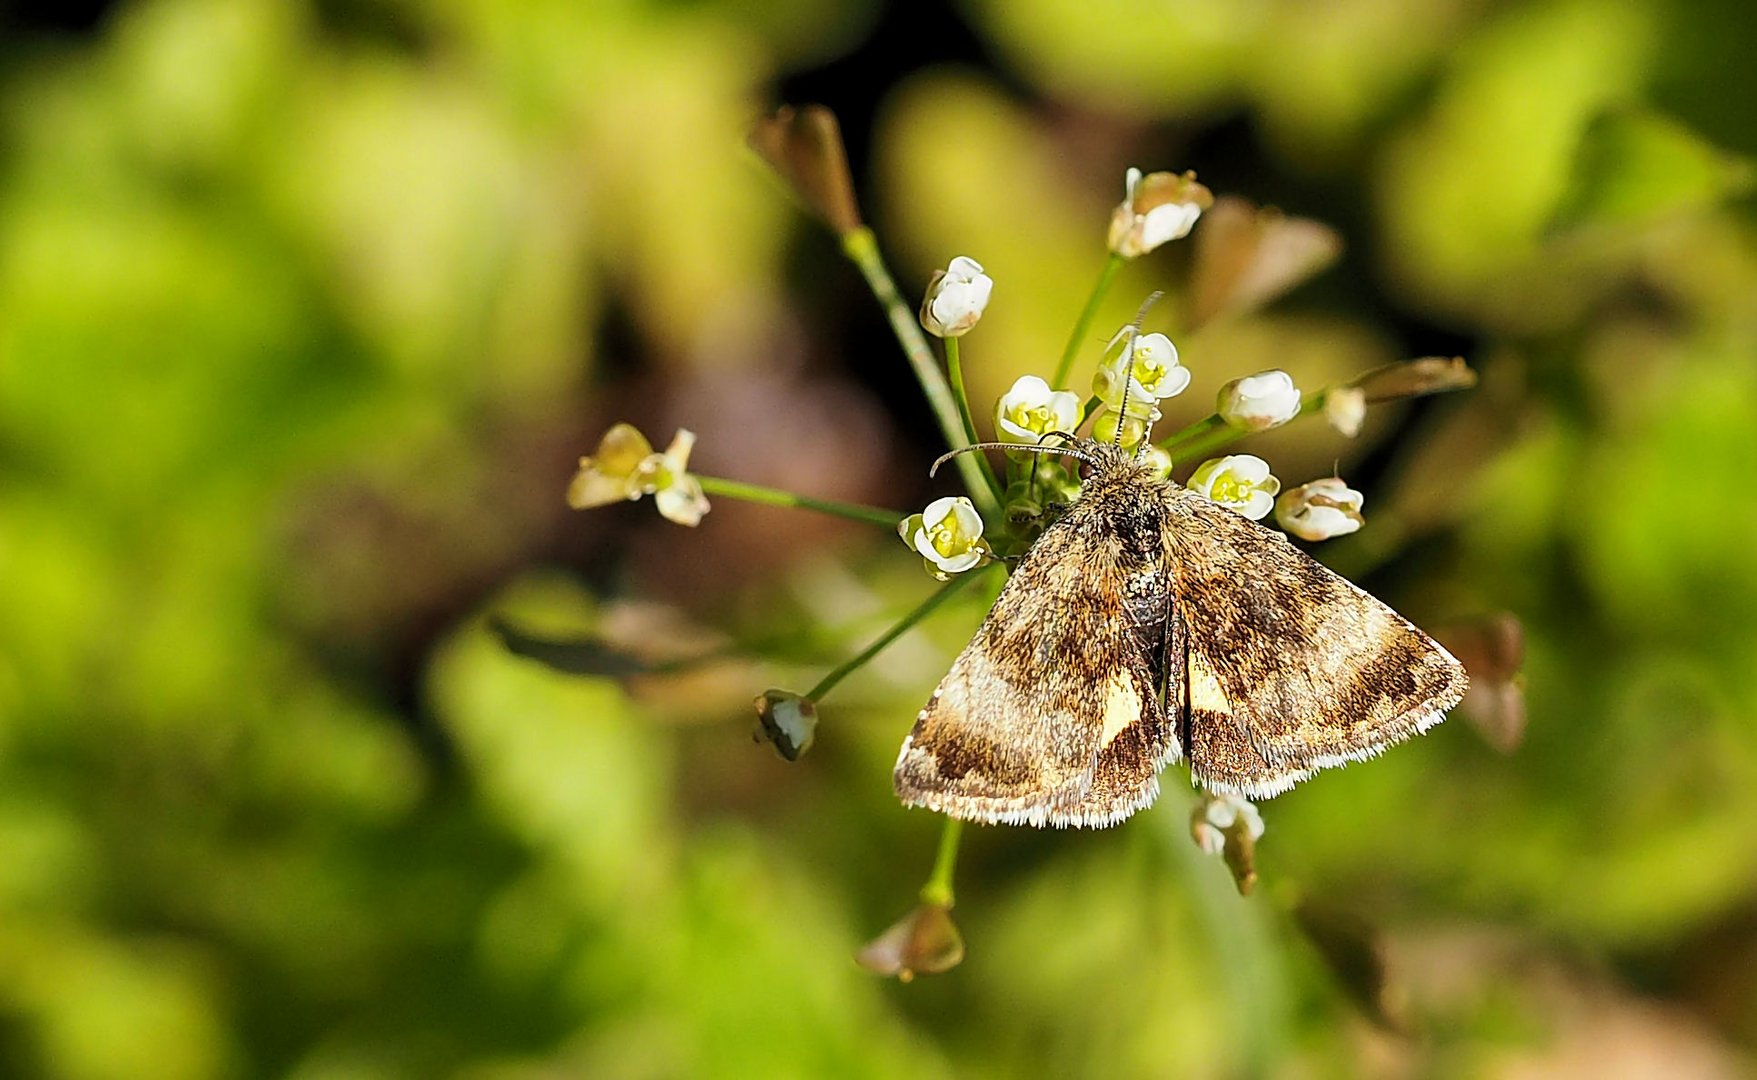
{"x":738,"y":489}
{"x":938,"y":889}
{"x":956,"y":371}
{"x":898,"y":629}
{"x":862,"y":247}
{"x":1084,"y":326}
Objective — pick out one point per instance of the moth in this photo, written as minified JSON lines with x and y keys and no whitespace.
{"x":1149,"y":624}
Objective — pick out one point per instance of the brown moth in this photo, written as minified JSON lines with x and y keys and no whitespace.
{"x":1149,"y":623}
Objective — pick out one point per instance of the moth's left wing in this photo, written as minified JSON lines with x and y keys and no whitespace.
{"x":1050,"y":716}
{"x":1290,"y":668}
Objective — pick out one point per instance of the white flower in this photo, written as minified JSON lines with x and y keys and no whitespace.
{"x":1220,"y":814}
{"x":955,"y":298}
{"x":1156,"y":208}
{"x":947,"y":535}
{"x":625,"y":467}
{"x":1259,"y":402}
{"x":1239,"y":482}
{"x":1148,"y":368}
{"x":1320,"y":509}
{"x":1346,"y":409}
{"x":1031,"y":410}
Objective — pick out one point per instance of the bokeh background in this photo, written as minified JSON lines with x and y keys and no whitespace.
{"x":308,"y":308}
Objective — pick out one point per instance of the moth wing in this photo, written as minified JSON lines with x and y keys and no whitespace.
{"x":1050,"y":715}
{"x":1290,"y":668}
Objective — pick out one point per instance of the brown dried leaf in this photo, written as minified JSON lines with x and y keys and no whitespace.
{"x":1247,"y":256}
{"x":804,"y":145}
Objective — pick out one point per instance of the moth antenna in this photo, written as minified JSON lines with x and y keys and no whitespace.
{"x":1039,"y":449}
{"x":1134,"y":331}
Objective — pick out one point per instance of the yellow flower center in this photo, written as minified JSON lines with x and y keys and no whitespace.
{"x":1227,"y":488}
{"x":1146,"y":371}
{"x":945,"y":537}
{"x":1032,"y":417}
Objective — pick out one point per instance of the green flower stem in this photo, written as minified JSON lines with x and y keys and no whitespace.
{"x":737,"y":489}
{"x":1084,"y":325}
{"x":860,"y":246}
{"x":1093,"y":404}
{"x":923,"y":610}
{"x":938,"y":889}
{"x":956,"y":370}
{"x":1221,"y":434}
{"x":1200,"y":429}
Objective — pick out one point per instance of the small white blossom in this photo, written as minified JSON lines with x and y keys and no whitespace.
{"x":955,"y":298}
{"x":1345,"y":407}
{"x":1156,"y":208}
{"x":947,"y":535}
{"x":1259,"y":402}
{"x":1148,"y":368}
{"x":625,"y":467}
{"x":1158,"y":459}
{"x":1320,"y":510}
{"x":1239,"y":482}
{"x":1031,"y":410}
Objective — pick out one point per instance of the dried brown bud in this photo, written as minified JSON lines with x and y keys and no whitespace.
{"x":787,"y":721}
{"x":925,"y":941}
{"x":1413,"y":378}
{"x":805,"y":146}
{"x":1246,"y":257}
{"x":1492,"y":650}
{"x":1229,"y":826}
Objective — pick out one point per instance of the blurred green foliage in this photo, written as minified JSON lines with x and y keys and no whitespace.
{"x":305,"y":308}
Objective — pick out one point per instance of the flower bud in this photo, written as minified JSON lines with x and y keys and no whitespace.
{"x":925,"y":941}
{"x":1134,"y":428}
{"x":1345,"y":407}
{"x":1158,"y":459}
{"x":1147,"y":367}
{"x":955,"y":298}
{"x":1239,"y":482}
{"x":947,"y":536}
{"x":1156,"y":208}
{"x":1031,"y":410}
{"x":1320,"y":510}
{"x":1229,"y":826}
{"x":625,"y":467}
{"x":1259,"y":402}
{"x":787,"y":721}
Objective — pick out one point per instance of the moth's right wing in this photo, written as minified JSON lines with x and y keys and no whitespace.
{"x":1050,"y":715}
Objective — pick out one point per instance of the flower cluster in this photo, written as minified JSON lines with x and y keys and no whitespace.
{"x":1137,"y":373}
